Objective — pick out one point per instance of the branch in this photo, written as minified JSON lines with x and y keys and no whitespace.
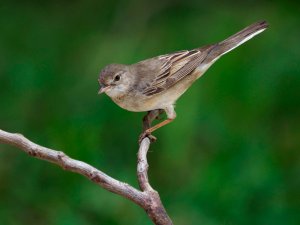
{"x":142,"y":166}
{"x":153,"y":205}
{"x":148,"y":198}
{"x":67,"y":163}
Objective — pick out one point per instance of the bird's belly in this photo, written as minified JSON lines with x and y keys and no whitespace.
{"x":140,"y":103}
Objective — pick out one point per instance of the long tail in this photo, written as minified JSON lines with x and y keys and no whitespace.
{"x":237,"y":39}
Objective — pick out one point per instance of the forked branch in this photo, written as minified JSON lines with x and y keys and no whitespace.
{"x":147,"y":198}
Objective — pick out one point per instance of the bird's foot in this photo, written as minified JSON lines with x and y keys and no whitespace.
{"x":148,"y":135}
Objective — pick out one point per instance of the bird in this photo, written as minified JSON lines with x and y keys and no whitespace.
{"x":153,"y":85}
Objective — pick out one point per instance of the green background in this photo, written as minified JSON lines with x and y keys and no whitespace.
{"x":230,"y":157}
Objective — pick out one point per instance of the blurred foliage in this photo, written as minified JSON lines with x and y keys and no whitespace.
{"x":230,"y":157}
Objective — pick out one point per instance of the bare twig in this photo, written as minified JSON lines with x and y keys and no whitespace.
{"x":148,"y":198}
{"x":142,"y":166}
{"x":153,"y":205}
{"x":67,"y":163}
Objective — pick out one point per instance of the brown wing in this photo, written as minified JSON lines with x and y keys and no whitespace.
{"x":176,"y":66}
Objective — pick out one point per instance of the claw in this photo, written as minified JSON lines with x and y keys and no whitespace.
{"x":152,"y":138}
{"x":148,"y":135}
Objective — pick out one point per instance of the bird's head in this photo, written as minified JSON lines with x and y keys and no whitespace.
{"x":115,"y":80}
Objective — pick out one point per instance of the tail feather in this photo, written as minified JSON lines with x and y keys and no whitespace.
{"x":237,"y":39}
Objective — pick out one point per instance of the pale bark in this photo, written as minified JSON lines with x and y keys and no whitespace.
{"x":147,"y":197}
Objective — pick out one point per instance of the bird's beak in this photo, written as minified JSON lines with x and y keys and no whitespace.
{"x":103,"y":89}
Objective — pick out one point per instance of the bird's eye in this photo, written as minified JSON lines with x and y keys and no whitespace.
{"x":117,"y":78}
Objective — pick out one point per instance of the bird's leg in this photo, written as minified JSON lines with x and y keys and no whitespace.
{"x":151,"y":115}
{"x":163,"y":123}
{"x":147,"y":120}
{"x":171,"y":115}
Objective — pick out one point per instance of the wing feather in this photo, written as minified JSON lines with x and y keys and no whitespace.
{"x":176,"y":66}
